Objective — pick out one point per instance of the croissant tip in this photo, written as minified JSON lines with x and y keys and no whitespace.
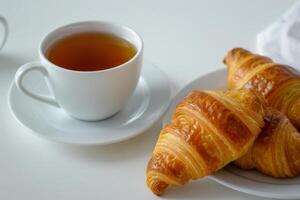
{"x":157,"y":193}
{"x":229,"y":53}
{"x":235,"y":49}
{"x":157,"y":187}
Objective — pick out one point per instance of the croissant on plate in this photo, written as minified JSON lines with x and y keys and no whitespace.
{"x":208,"y":130}
{"x":276,"y":151}
{"x":278,"y":84}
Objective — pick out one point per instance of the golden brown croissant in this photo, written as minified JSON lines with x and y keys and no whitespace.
{"x":208,"y":130}
{"x":276,"y":151}
{"x":278,"y":84}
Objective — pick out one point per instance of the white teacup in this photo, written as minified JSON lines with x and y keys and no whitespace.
{"x":5,"y":32}
{"x":86,"y":95}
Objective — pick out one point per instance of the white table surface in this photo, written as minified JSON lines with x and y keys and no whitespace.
{"x":186,"y":39}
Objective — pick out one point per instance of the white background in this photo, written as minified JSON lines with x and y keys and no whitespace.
{"x":186,"y":39}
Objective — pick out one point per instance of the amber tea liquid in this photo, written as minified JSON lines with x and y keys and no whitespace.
{"x":90,"y":51}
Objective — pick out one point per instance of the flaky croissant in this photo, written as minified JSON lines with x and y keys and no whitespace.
{"x":278,"y":84}
{"x":208,"y":130}
{"x":276,"y":151}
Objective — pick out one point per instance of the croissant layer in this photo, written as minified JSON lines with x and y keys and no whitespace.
{"x":278,"y":84}
{"x":208,"y":130}
{"x":276,"y":151}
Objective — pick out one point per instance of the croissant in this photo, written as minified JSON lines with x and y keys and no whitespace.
{"x":208,"y":130}
{"x":278,"y":84}
{"x":276,"y":151}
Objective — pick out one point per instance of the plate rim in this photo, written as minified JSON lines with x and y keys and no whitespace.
{"x":163,"y":108}
{"x":223,"y":177}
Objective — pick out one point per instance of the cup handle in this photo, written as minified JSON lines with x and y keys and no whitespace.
{"x":5,"y":25}
{"x":22,"y":71}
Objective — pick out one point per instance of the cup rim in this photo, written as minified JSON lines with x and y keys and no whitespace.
{"x":48,"y":62}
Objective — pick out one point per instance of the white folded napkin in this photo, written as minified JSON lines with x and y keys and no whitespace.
{"x":281,"y":40}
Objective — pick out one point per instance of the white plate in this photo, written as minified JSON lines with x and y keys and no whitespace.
{"x":248,"y":181}
{"x":148,"y":103}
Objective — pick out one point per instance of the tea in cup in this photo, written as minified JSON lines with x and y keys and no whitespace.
{"x":91,"y":68}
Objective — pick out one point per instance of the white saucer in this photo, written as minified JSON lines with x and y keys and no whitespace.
{"x":148,"y":103}
{"x":251,"y":182}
